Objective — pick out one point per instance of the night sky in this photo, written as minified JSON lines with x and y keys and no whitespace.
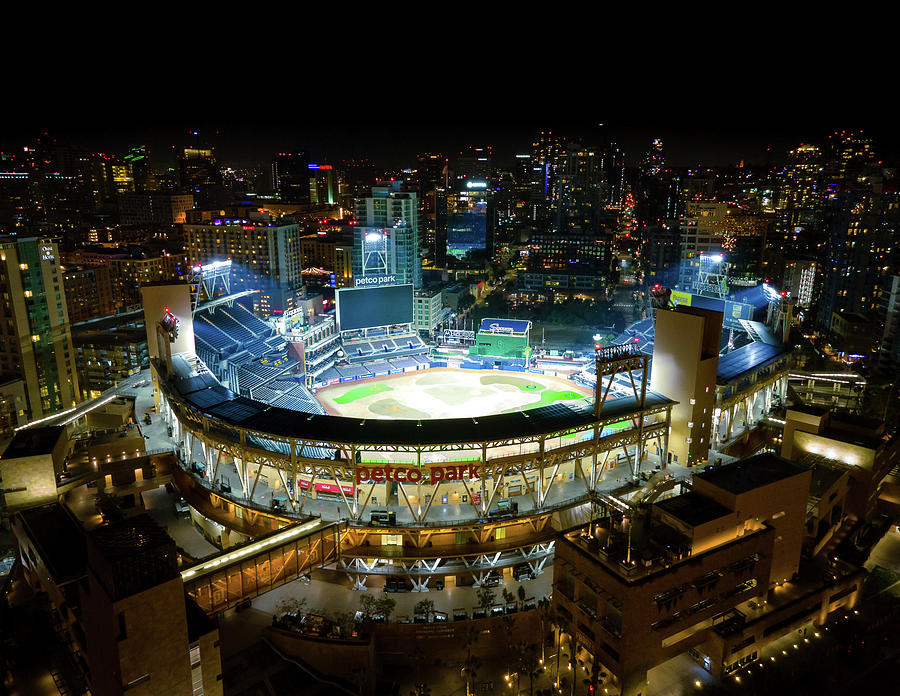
{"x":699,"y":125}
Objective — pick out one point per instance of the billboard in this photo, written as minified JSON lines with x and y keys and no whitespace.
{"x":363,"y":308}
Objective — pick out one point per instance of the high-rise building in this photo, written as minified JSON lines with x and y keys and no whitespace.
{"x":138,"y":158}
{"x":323,"y":185}
{"x":889,"y":323}
{"x":36,"y":341}
{"x":290,"y":176}
{"x":386,"y":237}
{"x":467,"y":217}
{"x":799,"y":282}
{"x":198,"y":170}
{"x":545,"y":153}
{"x":89,"y":292}
{"x":328,"y":256}
{"x":154,"y":208}
{"x":851,"y":157}
{"x":702,"y":233}
{"x":264,"y":251}
{"x":859,"y":253}
{"x":654,"y":159}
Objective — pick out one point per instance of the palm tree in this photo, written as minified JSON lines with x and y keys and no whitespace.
{"x":528,"y":663}
{"x":544,"y":614}
{"x":471,"y":664}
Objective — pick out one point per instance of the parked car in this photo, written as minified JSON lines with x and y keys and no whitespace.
{"x":385,"y":517}
{"x":395,"y":584}
{"x":182,"y":507}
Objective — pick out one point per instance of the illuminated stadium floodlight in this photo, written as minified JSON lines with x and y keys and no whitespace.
{"x":712,"y":276}
{"x":204,"y":279}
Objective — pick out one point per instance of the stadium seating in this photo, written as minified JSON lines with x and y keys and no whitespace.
{"x":214,"y":337}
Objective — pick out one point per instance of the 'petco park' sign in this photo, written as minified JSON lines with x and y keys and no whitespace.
{"x":368,"y":281}
{"x":405,"y":474}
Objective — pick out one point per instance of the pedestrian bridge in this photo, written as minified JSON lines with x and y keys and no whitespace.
{"x":261,"y":565}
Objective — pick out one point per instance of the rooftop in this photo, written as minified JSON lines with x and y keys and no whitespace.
{"x":749,"y":474}
{"x":32,"y":442}
{"x":59,"y":540}
{"x":737,"y":363}
{"x":139,"y":553}
{"x":693,"y":509}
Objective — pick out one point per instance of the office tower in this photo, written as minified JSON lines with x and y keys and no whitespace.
{"x":109,"y":350}
{"x":581,"y":188}
{"x":801,"y":184}
{"x":851,"y":157}
{"x":661,"y":253}
{"x":474,"y":163}
{"x":323,"y":186}
{"x":858,"y":254}
{"x":799,"y":281}
{"x":328,"y":256}
{"x":89,"y":292}
{"x":290,"y":176}
{"x":432,"y":175}
{"x":264,"y":251}
{"x":685,"y":361}
{"x":654,"y":159}
{"x":386,"y":236}
{"x":545,"y":153}
{"x":37,"y":345}
{"x":612,"y":164}
{"x":889,"y":323}
{"x":154,"y":208}
{"x":138,"y":158}
{"x":467,"y":217}
{"x":198,"y":170}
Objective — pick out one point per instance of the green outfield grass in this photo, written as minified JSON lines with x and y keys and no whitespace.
{"x":362,"y":392}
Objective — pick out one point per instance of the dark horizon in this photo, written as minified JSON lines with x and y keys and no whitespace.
{"x":396,"y":143}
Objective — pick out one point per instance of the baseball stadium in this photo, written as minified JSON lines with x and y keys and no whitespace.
{"x":346,"y":443}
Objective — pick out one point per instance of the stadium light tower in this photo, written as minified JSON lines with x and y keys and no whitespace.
{"x":712,"y":276}
{"x":204,"y":279}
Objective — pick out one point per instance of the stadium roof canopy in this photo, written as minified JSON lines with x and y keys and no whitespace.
{"x":734,"y":365}
{"x":225,"y":406}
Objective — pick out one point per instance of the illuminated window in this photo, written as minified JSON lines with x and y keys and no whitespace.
{"x":23,"y":266}
{"x":28,"y":293}
{"x":35,"y":338}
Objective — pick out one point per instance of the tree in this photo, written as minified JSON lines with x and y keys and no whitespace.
{"x":509,"y":628}
{"x":346,"y":621}
{"x":291,"y":605}
{"x":424,"y":607}
{"x":544,"y":614}
{"x":367,"y":605}
{"x":471,"y":664}
{"x":486,"y":597}
{"x":508,"y":597}
{"x":528,"y":663}
{"x":385,"y":605}
{"x":521,"y":593}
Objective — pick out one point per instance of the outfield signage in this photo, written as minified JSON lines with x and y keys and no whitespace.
{"x":374,"y":281}
{"x":405,"y":474}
